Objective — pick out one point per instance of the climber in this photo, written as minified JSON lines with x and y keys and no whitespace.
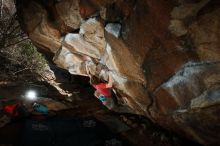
{"x":103,"y":91}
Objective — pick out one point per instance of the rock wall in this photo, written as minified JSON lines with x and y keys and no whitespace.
{"x":163,"y":55}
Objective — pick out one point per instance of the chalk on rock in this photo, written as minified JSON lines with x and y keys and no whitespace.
{"x":113,"y":28}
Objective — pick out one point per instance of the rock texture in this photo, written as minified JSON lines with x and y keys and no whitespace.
{"x":163,"y":55}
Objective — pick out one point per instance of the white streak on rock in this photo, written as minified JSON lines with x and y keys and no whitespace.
{"x":113,"y":28}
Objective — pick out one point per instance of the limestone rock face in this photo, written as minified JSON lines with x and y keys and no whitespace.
{"x":39,"y":28}
{"x":93,"y":33}
{"x":205,"y":34}
{"x":163,"y":56}
{"x":67,"y":14}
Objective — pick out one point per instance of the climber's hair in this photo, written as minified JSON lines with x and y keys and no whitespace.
{"x":94,"y":80}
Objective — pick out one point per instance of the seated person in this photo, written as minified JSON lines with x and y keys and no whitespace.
{"x":103,"y":91}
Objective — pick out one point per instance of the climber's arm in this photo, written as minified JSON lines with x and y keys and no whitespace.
{"x":110,"y":82}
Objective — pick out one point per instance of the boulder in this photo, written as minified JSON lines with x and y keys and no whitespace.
{"x":162,"y":55}
{"x":40,"y":30}
{"x":68,"y":15}
{"x":205,"y":35}
{"x":93,"y":33}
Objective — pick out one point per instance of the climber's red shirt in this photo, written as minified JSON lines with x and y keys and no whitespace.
{"x":102,"y":89}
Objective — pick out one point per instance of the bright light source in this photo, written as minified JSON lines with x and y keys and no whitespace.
{"x":31,"y":95}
